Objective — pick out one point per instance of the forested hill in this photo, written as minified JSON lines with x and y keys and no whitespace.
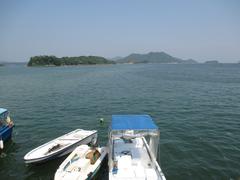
{"x":154,"y":57}
{"x":65,"y":61}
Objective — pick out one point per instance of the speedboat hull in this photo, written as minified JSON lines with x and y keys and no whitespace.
{"x":81,"y":163}
{"x":6,"y":132}
{"x":60,"y":146}
{"x":6,"y":126}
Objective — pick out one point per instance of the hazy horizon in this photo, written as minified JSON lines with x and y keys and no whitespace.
{"x":200,"y":30}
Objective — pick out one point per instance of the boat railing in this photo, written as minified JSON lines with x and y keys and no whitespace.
{"x":154,"y":161}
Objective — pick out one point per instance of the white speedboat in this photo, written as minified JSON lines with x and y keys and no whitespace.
{"x":133,"y":148}
{"x":61,"y":146}
{"x":82,"y":163}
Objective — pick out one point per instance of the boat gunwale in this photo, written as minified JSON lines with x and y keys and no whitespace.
{"x":5,"y":128}
{"x":91,"y":174}
{"x":99,"y":166}
{"x":42,"y":158}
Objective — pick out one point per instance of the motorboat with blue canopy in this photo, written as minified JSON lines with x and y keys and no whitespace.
{"x":133,"y":148}
{"x":6,"y":126}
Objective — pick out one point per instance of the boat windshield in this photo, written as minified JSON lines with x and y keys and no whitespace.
{"x":152,"y":138}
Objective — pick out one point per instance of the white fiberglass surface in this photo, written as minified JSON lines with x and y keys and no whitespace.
{"x":58,"y":143}
{"x":132,"y":160}
{"x":45,"y":150}
{"x":77,"y":166}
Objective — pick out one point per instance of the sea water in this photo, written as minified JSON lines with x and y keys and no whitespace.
{"x":197,"y":108}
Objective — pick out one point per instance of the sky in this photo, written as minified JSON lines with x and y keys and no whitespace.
{"x":202,"y":29}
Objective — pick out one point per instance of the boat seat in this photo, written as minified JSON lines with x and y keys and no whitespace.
{"x":125,"y":162}
{"x":78,"y":136}
{"x":93,"y":155}
{"x":54,"y":148}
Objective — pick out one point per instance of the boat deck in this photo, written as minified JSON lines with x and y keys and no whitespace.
{"x":78,"y":166}
{"x":133,"y":160}
{"x":58,"y":144}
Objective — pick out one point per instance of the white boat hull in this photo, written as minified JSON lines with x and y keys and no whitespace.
{"x":81,"y":168}
{"x":40,"y":157}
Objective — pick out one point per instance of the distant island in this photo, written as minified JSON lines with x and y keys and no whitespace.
{"x":154,"y":57}
{"x":67,"y":61}
{"x":212,"y":62}
{"x":1,"y":65}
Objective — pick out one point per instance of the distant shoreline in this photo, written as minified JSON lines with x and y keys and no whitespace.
{"x":79,"y":65}
{"x":52,"y":61}
{"x":149,"y":58}
{"x":200,"y":63}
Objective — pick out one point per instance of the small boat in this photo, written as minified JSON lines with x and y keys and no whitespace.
{"x":83,"y":163}
{"x":61,"y":146}
{"x":133,"y":148}
{"x":6,"y":126}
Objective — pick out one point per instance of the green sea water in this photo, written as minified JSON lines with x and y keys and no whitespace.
{"x":197,"y":108}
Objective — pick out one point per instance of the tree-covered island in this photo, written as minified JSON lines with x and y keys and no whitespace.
{"x":66,"y":61}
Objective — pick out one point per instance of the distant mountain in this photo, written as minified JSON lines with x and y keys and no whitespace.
{"x":211,"y":62}
{"x":116,"y":58}
{"x":154,"y":57}
{"x":189,"y":61}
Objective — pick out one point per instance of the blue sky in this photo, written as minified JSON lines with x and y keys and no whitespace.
{"x":202,"y":30}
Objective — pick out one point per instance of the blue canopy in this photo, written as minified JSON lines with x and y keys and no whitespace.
{"x":132,"y":122}
{"x":2,"y":110}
